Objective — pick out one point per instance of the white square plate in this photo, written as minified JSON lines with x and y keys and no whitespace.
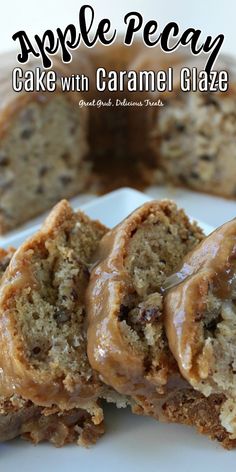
{"x":131,"y":443}
{"x":110,"y":209}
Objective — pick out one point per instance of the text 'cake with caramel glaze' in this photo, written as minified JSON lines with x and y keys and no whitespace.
{"x":58,"y":144}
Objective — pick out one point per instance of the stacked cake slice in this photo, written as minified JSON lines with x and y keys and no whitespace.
{"x":48,"y":389}
{"x":88,"y":314}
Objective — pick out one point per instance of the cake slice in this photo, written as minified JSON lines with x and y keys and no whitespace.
{"x":201,"y":319}
{"x":42,"y":315}
{"x":21,"y":417}
{"x":127,"y":342}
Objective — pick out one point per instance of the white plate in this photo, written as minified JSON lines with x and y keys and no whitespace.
{"x":131,"y":443}
{"x":110,"y":209}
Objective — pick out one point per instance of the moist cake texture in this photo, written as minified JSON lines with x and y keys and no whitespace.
{"x":187,"y":406}
{"x":197,"y":130}
{"x":139,"y":259}
{"x":126,"y":342}
{"x":19,"y":417}
{"x":43,"y":147}
{"x":42,"y":315}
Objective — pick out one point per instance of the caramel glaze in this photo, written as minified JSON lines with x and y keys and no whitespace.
{"x":17,"y":374}
{"x":210,"y":266}
{"x":120,"y":365}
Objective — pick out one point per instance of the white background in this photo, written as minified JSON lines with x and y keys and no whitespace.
{"x":212,"y":16}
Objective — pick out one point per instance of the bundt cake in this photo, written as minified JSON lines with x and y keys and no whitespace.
{"x":62,"y":144}
{"x":200,"y":319}
{"x":19,"y":417}
{"x":127,"y":343}
{"x":42,"y":315}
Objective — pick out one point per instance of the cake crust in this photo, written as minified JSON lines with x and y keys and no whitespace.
{"x":208,"y":268}
{"x":121,"y":325}
{"x":66,"y":239}
{"x":23,"y":418}
{"x":200,"y":319}
{"x":110,"y":352}
{"x":19,"y":417}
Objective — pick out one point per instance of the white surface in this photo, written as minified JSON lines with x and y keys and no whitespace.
{"x":131,"y":443}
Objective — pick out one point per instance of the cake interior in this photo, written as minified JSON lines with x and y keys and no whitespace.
{"x":216,"y":360}
{"x":49,"y":310}
{"x":155,"y":251}
{"x":20,"y":417}
{"x":48,"y":138}
{"x":198,"y":131}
